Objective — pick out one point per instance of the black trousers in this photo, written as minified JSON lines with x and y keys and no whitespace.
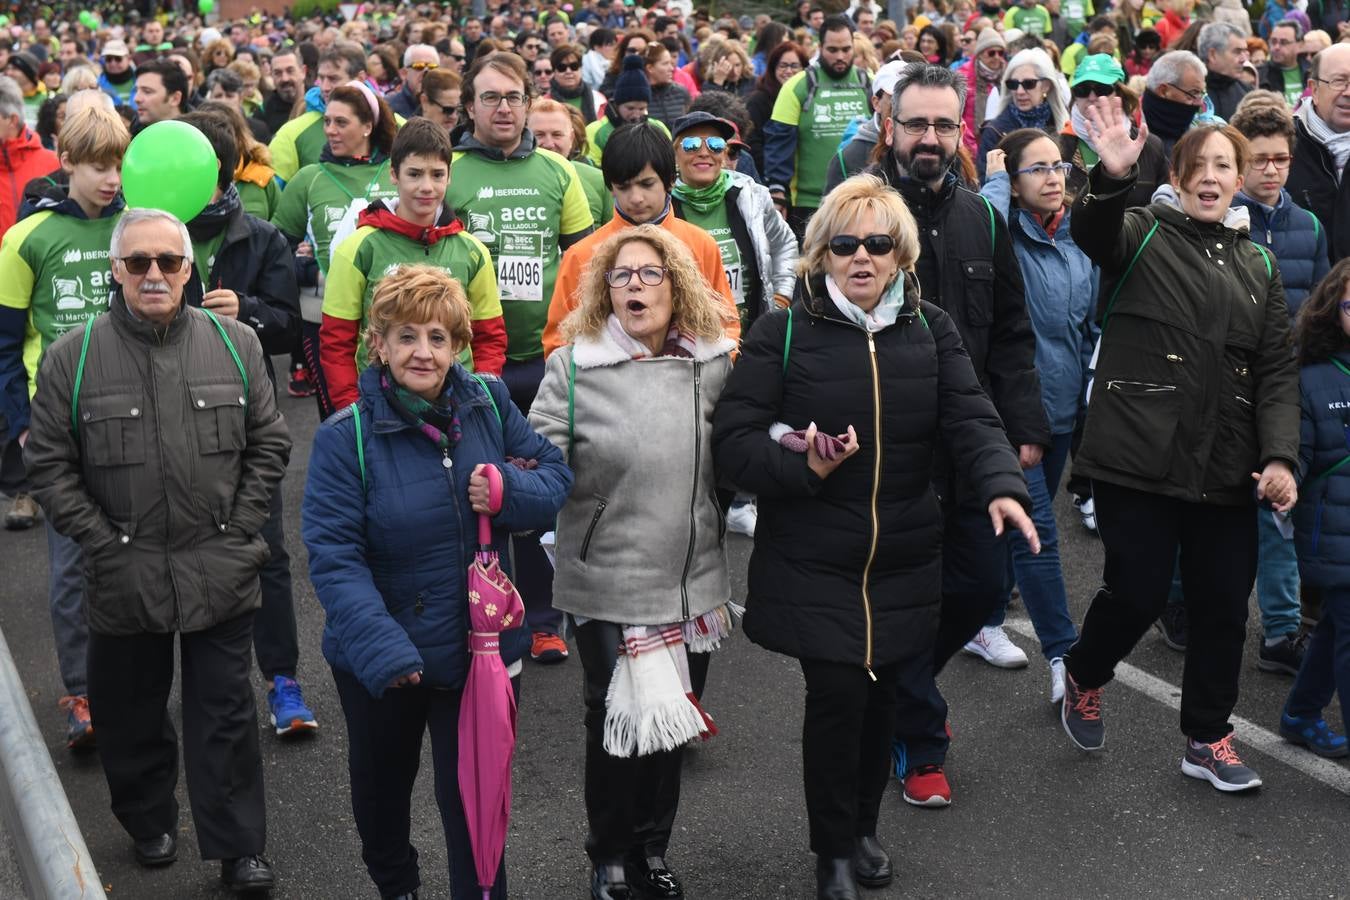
{"x":1141,"y":534}
{"x":13,"y":475}
{"x":974,"y":584}
{"x":274,"y":637}
{"x":798,"y":218}
{"x":846,"y":740}
{"x":384,"y":749}
{"x":129,"y":682}
{"x":630,"y":801}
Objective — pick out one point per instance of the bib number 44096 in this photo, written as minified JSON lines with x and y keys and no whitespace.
{"x":520,"y":278}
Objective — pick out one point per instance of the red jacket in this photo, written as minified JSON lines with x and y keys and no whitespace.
{"x":21,"y":160}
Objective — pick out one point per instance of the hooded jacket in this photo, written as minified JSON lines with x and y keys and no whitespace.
{"x":642,"y":539}
{"x":167,"y":482}
{"x":849,"y":567}
{"x":22,"y":159}
{"x":383,"y":242}
{"x":1296,"y":239}
{"x":1195,"y":385}
{"x":1322,"y":516}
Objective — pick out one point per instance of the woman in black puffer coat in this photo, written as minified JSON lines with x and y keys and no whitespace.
{"x":845,"y":574}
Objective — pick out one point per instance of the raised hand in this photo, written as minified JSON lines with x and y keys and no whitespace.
{"x":1109,"y":131}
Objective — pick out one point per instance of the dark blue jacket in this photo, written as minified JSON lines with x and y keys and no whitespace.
{"x":389,"y":560}
{"x":1297,"y":241}
{"x":1322,"y":516}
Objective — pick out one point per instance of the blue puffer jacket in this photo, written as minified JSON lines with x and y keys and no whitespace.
{"x":1061,"y":290}
{"x":1322,"y":516}
{"x":1297,"y":241}
{"x":389,"y":560}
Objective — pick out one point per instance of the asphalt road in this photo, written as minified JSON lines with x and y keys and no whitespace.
{"x":1032,"y":816}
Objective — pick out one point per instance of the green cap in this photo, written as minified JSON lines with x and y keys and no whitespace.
{"x":1099,"y":68}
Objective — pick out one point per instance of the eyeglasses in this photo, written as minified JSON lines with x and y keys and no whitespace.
{"x":694,"y":144}
{"x":994,"y":51}
{"x":1337,"y":84}
{"x":543,"y":73}
{"x":423,"y":66}
{"x":1345,"y":307}
{"x":532,"y":46}
{"x":492,"y":99}
{"x":574,"y":66}
{"x":168,"y":263}
{"x":1040,"y":170}
{"x":788,"y":67}
{"x":648,"y":275}
{"x":920,"y":126}
{"x":1281,"y":162}
{"x":874,"y":244}
{"x":1197,"y":95}
{"x":1086,"y":89}
{"x":447,"y":110}
{"x":1025,"y":84}
{"x":1281,"y":42}
{"x":457,"y":57}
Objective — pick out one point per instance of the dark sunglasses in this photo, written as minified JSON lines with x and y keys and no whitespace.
{"x":169,"y":263}
{"x":1026,"y":84}
{"x":1085,"y":89}
{"x":694,"y":144}
{"x":457,"y":57}
{"x":569,"y":67}
{"x":542,"y":72}
{"x":449,"y":112}
{"x":874,"y":244}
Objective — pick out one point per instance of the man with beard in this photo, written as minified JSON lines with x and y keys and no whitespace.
{"x":966,"y":266}
{"x":299,"y":142}
{"x":288,"y":79}
{"x":813,"y":110}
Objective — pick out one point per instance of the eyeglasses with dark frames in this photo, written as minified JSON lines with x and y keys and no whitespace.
{"x":620,"y":276}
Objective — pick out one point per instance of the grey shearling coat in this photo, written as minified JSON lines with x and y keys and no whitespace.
{"x":641,"y":540}
{"x":168,"y":480}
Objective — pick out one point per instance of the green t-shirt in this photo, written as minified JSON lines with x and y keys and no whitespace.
{"x":31,"y":105}
{"x":55,"y":266}
{"x":297,"y":144}
{"x":598,"y":197}
{"x":820,"y":126}
{"x":259,"y":202}
{"x":718,"y":225}
{"x":317,"y":199}
{"x":519,"y":208}
{"x":1035,"y":20}
{"x":1293,"y":84}
{"x":204,"y":257}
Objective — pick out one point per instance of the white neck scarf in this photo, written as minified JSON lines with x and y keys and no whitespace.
{"x":1337,"y":143}
{"x":883,"y":315}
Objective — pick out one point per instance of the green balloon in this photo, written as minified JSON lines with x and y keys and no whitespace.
{"x":205,"y":7}
{"x":88,"y":19}
{"x":170,"y":166}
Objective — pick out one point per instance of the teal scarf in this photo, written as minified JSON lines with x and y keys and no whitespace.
{"x":704,"y":200}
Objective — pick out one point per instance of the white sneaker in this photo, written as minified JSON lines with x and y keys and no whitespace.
{"x":1088,"y":510}
{"x":1056,"y":680}
{"x":992,"y":646}
{"x":741,"y":519}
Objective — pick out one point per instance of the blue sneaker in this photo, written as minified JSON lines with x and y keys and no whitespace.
{"x":900,"y":759}
{"x":1315,"y":734}
{"x":290,"y":715}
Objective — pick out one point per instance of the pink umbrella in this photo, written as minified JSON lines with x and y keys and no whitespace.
{"x":487,"y":712}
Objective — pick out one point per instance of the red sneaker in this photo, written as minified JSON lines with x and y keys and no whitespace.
{"x":79,"y":728}
{"x":927,"y":786}
{"x":547,"y":648}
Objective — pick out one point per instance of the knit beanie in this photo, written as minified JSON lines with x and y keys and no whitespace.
{"x":989,"y":38}
{"x":632,"y":83}
{"x":27,"y":64}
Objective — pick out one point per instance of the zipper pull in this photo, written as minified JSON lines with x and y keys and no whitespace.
{"x":446,"y":461}
{"x":870,"y":674}
{"x":1269,"y":239}
{"x":872,"y":346}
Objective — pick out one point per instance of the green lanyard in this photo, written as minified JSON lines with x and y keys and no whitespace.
{"x":370,"y":187}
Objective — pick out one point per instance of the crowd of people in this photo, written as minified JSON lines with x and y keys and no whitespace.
{"x":867,"y":287}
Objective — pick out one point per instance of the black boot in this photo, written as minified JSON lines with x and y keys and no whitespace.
{"x":871,"y":864}
{"x":834,"y":879}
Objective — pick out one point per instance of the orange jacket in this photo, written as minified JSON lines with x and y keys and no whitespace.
{"x":21,"y":160}
{"x":575,"y":258}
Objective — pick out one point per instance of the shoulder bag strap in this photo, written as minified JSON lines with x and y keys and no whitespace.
{"x":79,"y":379}
{"x":360,"y":443}
{"x":229,"y":345}
{"x":1128,"y":269}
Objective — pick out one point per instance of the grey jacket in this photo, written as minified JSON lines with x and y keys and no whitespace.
{"x":167,"y":481}
{"x":641,"y":539}
{"x":775,"y":245}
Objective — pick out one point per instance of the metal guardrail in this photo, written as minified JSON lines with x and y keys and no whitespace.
{"x":53,"y":860}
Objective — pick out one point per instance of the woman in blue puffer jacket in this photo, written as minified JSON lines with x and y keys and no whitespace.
{"x":1027,"y":183}
{"x":390,"y":517}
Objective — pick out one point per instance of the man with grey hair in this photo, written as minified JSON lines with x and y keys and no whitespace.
{"x":22,"y":156}
{"x":966,"y":266}
{"x":156,"y":444}
{"x":1174,"y":93}
{"x":417,"y":59}
{"x":1286,"y":72}
{"x":1223,"y":47}
{"x":1317,"y":178}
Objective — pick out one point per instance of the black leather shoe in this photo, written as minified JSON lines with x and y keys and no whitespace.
{"x":871,"y":864}
{"x":158,"y":851}
{"x":608,"y":883}
{"x":247,"y":874}
{"x":652,"y":878}
{"x":834,"y":880}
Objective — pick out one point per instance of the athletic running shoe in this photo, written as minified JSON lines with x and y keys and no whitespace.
{"x":741,"y":519}
{"x":1315,"y":734}
{"x":927,"y":786}
{"x":1081,"y":713}
{"x":1056,"y":680}
{"x":547,"y":648}
{"x":1284,"y":657}
{"x":290,"y":715}
{"x":300,"y":384}
{"x":1219,"y":764}
{"x":992,"y":645}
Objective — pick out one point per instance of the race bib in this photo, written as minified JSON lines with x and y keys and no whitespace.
{"x":734,"y":278}
{"x":520,"y":278}
{"x":1073,"y":9}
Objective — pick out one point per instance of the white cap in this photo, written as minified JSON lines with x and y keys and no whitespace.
{"x":209,"y":36}
{"x":887,"y":76}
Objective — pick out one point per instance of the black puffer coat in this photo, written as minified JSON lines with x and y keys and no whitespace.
{"x":848,"y":569}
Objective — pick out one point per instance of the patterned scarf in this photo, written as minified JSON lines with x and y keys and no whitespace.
{"x":1036,"y":117}
{"x":677,"y":342}
{"x":440,"y":424}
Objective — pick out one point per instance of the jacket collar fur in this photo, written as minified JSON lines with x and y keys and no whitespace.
{"x":598,"y":351}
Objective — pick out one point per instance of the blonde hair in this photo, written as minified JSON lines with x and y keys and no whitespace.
{"x":94,"y":135}
{"x":864,"y":53}
{"x":79,"y":78}
{"x":843,"y":206}
{"x":416,"y":295}
{"x":695,"y":307}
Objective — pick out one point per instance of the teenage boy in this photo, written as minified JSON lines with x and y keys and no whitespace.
{"x":416,"y":228}
{"x":54,"y":277}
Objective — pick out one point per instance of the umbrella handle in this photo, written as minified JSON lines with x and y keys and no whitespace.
{"x":494,"y":480}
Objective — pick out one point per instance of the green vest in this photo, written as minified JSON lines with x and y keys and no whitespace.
{"x":317,"y":199}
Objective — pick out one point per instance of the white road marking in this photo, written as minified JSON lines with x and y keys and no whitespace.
{"x":1333,"y":774}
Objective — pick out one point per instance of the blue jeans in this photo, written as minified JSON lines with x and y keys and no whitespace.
{"x":1039,"y":576}
{"x":1276,"y":579}
{"x":65,"y":586}
{"x":1326,"y":661}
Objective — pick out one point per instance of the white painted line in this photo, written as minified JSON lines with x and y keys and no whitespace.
{"x":1333,"y":774}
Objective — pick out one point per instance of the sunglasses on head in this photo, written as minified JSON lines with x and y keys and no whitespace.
{"x":1026,"y":84}
{"x":569,"y":67}
{"x":874,"y":244}
{"x":1085,"y":89}
{"x":693,"y":144}
{"x":168,"y":263}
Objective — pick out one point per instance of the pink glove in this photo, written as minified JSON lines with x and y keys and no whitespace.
{"x":827,"y":445}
